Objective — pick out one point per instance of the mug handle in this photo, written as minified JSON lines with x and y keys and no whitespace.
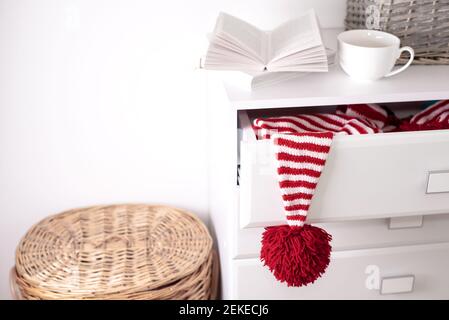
{"x":409,"y":62}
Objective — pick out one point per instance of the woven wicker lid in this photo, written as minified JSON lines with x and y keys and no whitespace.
{"x":108,"y":249}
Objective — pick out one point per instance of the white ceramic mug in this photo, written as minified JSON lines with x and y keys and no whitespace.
{"x":370,"y":54}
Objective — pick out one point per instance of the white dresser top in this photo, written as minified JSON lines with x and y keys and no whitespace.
{"x":417,"y":83}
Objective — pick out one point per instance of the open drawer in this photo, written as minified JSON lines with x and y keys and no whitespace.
{"x":365,"y":177}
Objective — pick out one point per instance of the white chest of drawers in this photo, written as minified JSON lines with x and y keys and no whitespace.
{"x":373,"y":257}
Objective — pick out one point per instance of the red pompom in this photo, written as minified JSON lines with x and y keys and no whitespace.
{"x":296,"y":255}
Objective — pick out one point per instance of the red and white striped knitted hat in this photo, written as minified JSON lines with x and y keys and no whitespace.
{"x":299,"y":253}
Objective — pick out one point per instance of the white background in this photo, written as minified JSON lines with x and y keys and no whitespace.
{"x":100,"y":103}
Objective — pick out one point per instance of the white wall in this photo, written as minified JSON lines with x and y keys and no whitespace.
{"x":100,"y":103}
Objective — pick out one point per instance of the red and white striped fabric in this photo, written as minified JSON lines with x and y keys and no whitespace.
{"x":435,"y":113}
{"x":302,"y":145}
{"x":300,"y":161}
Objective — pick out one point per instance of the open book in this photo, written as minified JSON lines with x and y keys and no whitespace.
{"x":293,"y":46}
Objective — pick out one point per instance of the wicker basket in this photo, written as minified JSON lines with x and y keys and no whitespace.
{"x":116,"y":252}
{"x":422,"y":25}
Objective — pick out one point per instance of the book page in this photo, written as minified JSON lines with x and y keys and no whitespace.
{"x":223,"y":58}
{"x":294,"y":36}
{"x":223,"y":55}
{"x":243,"y":34}
{"x":317,"y":59}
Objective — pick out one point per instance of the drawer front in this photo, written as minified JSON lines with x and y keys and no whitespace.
{"x":365,"y":177}
{"x":413,"y":272}
{"x":361,"y":234}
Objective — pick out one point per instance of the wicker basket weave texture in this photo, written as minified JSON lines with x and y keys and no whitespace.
{"x":116,"y":252}
{"x":422,"y":25}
